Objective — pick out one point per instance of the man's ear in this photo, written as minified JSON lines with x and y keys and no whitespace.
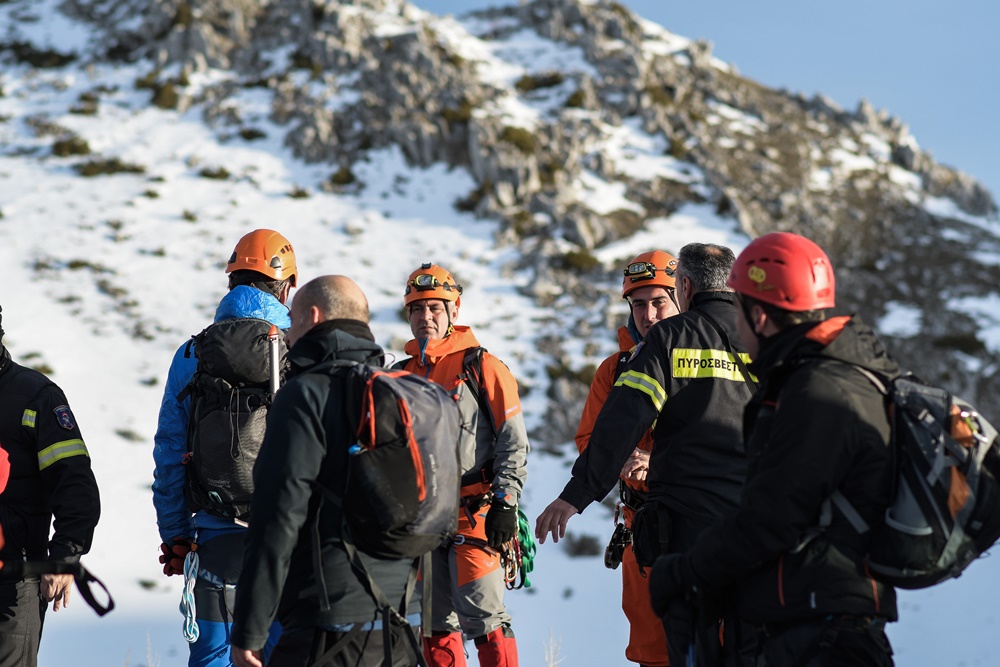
{"x":758,"y":319}
{"x":286,"y":291}
{"x":684,"y":302}
{"x":454,"y":310}
{"x":315,"y":316}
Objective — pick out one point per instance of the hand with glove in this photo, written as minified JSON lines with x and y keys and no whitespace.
{"x":172,"y":555}
{"x":670,"y":578}
{"x":501,"y":523}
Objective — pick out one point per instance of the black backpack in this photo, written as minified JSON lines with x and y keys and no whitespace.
{"x":230,"y":396}
{"x":945,"y":510}
{"x":401,"y":496}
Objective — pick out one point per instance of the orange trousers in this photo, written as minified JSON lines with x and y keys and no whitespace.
{"x":647,"y":643}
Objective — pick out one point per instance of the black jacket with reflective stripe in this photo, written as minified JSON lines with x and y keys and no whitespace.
{"x":50,"y":473}
{"x":682,"y":377}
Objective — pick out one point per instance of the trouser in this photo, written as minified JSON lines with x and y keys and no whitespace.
{"x":843,"y":641}
{"x":647,"y":642}
{"x":220,"y":562}
{"x":301,"y":647}
{"x":22,"y":612}
{"x":467,"y":600}
{"x":468,"y":582}
{"x":709,"y":633}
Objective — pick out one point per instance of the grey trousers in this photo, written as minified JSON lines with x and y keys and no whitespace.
{"x":22,"y":611}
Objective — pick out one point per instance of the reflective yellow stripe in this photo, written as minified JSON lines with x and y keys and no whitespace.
{"x":28,"y":418}
{"x":61,"y":450}
{"x":692,"y":363}
{"x":646,"y":385}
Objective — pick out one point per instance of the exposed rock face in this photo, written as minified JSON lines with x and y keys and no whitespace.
{"x":347,"y":77}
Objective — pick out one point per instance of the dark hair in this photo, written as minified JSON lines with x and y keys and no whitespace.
{"x":258,"y":280}
{"x":706,"y":265}
{"x":782,"y":318}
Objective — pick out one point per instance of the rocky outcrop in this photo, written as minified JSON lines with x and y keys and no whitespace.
{"x":347,"y":77}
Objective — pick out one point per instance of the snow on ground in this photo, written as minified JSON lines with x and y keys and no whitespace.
{"x":900,"y":319}
{"x":637,"y":154}
{"x":107,"y":276}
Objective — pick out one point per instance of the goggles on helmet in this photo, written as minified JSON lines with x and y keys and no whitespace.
{"x":425,"y":282}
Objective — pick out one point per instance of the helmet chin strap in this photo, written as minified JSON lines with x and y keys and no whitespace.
{"x":672,"y":293}
{"x":451,"y":327}
{"x":633,"y":330}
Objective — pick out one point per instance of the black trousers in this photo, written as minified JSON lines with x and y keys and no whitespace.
{"x":831,"y":642}
{"x":710,"y":632}
{"x":300,"y":647}
{"x":22,"y":611}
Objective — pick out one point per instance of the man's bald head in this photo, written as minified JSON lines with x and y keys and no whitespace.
{"x":336,"y":297}
{"x":326,"y":298}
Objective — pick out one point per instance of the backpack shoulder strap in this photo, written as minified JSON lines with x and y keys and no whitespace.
{"x":879,"y":383}
{"x":188,"y":352}
{"x":472,"y":374}
{"x":838,"y":499}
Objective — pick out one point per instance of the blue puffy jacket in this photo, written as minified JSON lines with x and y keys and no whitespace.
{"x":170,"y":443}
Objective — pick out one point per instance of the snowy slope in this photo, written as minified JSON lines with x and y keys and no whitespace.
{"x":108,"y":275}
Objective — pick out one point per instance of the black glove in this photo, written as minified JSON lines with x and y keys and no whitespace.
{"x":501,"y":523}
{"x":671,"y":577}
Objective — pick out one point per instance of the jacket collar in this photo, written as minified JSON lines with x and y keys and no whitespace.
{"x":430,"y":352}
{"x":349,"y":340}
{"x":625,"y":339}
{"x":846,"y":339}
{"x":700,"y":299}
{"x":247,"y":301}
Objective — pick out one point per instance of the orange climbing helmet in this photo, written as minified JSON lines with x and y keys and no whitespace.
{"x":431,"y":281}
{"x":785,"y":270}
{"x":267,"y":252}
{"x":655,"y":268}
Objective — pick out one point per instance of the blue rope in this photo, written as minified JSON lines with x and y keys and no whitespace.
{"x":187,"y":598}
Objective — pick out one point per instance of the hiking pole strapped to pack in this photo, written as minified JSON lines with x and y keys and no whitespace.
{"x":274,"y":357}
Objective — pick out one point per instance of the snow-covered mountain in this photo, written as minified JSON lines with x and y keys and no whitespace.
{"x":530,"y":149}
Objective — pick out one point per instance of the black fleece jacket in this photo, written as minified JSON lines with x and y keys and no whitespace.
{"x":306,"y":445}
{"x":816,"y":425}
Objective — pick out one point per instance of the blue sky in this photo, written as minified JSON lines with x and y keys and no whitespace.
{"x":934,"y":65}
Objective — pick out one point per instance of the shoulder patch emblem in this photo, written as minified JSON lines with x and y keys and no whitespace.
{"x":65,"y":417}
{"x":635,"y":350}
